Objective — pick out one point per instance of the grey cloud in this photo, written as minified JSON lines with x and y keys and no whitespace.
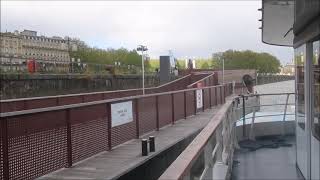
{"x":189,"y":28}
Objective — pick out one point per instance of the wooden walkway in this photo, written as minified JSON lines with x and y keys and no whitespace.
{"x":127,"y":156}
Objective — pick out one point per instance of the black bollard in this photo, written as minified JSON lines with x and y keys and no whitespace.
{"x":152,"y":145}
{"x":144,"y":147}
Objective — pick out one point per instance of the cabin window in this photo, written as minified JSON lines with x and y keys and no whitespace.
{"x":300,"y":57}
{"x":316,"y":91}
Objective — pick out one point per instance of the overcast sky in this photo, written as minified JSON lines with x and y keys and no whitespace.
{"x":188,"y":28}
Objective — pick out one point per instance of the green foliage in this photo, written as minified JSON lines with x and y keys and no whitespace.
{"x":154,"y":64}
{"x":262,"y":62}
{"x":181,"y":64}
{"x":109,"y":56}
{"x":204,"y":63}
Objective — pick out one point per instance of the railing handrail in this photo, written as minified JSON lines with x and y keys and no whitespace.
{"x":78,"y":105}
{"x":209,"y":75}
{"x":266,"y":94}
{"x":169,"y":82}
{"x":66,"y":95}
{"x":185,"y":160}
{"x":181,"y":166}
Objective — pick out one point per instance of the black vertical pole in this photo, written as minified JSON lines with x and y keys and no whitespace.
{"x":152,"y":145}
{"x":144,"y":147}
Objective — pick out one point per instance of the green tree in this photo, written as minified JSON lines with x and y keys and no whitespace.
{"x":262,"y":62}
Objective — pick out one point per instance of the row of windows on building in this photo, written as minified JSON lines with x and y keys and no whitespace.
{"x":47,"y":55}
{"x":42,"y":39}
{"x":12,"y":44}
{"x":15,"y":51}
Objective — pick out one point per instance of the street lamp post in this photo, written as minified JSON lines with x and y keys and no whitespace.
{"x":142,"y":49}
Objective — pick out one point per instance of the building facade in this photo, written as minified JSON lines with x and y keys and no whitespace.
{"x":19,"y":47}
{"x":288,"y":69}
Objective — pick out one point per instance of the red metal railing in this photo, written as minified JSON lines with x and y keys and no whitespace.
{"x":38,"y":141}
{"x":50,"y":101}
{"x":213,"y":144}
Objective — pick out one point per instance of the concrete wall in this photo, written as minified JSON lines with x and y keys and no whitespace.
{"x":265,"y":79}
{"x":229,"y":75}
{"x":236,"y":75}
{"x":20,"y":86}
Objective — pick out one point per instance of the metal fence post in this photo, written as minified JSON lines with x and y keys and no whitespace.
{"x":215,"y":95}
{"x":210,"y":98}
{"x":172,"y":103}
{"x":69,"y":140}
{"x":243,"y":117}
{"x":137,"y":119}
{"x":284,"y":115}
{"x":224,"y":93}
{"x":185,"y":104}
{"x":157,"y":113}
{"x":5,"y":147}
{"x":195,"y":101}
{"x":109,"y":124}
{"x":221,"y":94}
{"x":202,"y":100}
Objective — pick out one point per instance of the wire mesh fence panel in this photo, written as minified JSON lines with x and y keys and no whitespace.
{"x":213,"y":96}
{"x":88,"y":131}
{"x":36,"y":144}
{"x":165,"y":110}
{"x":147,"y":114}
{"x":218,"y":95}
{"x":190,"y":100}
{"x":206,"y":98}
{"x":1,"y":152}
{"x":178,"y":106}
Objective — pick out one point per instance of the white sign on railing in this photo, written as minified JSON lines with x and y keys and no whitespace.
{"x":121,"y":113}
{"x":199,"y":99}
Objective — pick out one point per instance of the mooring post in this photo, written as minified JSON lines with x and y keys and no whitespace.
{"x":144,"y":147}
{"x":152,"y":145}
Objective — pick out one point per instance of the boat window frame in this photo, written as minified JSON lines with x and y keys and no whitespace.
{"x":315,"y":133}
{"x":300,"y":49}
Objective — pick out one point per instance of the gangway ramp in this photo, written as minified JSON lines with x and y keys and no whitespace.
{"x":124,"y":159}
